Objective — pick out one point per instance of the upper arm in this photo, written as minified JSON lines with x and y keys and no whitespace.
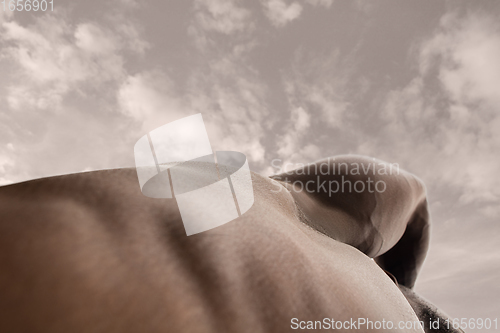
{"x":389,"y":221}
{"x":356,"y":200}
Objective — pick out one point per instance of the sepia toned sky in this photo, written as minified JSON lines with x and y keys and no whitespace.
{"x":411,"y":82}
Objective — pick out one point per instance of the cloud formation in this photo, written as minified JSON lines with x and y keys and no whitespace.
{"x":455,"y":118}
{"x":223,"y":16}
{"x":467,"y":49}
{"x":55,"y":56}
{"x":54,"y":69}
{"x":280,"y":13}
{"x":292,"y":147}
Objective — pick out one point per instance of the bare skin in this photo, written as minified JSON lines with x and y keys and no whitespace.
{"x":390,"y":224}
{"x":89,"y":253}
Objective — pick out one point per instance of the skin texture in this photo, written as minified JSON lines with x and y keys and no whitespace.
{"x":89,"y":252}
{"x":429,"y":313}
{"x":390,"y":224}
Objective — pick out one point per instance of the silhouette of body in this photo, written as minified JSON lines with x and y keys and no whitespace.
{"x":89,"y":253}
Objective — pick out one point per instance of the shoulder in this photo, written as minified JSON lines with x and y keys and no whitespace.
{"x":78,"y":210}
{"x":102,"y":192}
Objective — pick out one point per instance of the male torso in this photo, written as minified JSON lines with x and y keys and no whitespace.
{"x":89,"y":253}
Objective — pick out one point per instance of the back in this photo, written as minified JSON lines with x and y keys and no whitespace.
{"x":89,"y":253}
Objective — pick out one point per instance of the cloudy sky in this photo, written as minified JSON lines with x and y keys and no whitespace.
{"x":410,"y":82}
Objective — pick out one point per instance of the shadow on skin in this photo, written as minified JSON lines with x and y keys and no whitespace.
{"x":392,"y":226}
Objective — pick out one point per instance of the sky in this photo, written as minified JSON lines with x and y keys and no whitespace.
{"x":409,"y":82}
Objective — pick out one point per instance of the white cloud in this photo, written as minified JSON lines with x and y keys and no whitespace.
{"x":492,"y":211}
{"x":330,"y":103}
{"x":319,"y":82}
{"x":59,"y":81}
{"x":149,"y":98}
{"x":5,"y":161}
{"x":224,"y":16}
{"x":452,"y":125}
{"x":365,"y":6}
{"x":6,"y":164}
{"x":325,"y":3}
{"x":469,"y":49}
{"x":93,"y":40}
{"x":280,"y":13}
{"x":5,"y":15}
{"x":5,"y":181}
{"x":225,"y":87}
{"x":316,"y":90}
{"x":233,"y":104}
{"x":133,"y":4}
{"x":301,"y":119}
{"x":292,"y":147}
{"x":228,"y":96}
{"x":131,"y":36}
{"x":289,"y":143}
{"x":466,"y":53}
{"x":54,"y":57}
